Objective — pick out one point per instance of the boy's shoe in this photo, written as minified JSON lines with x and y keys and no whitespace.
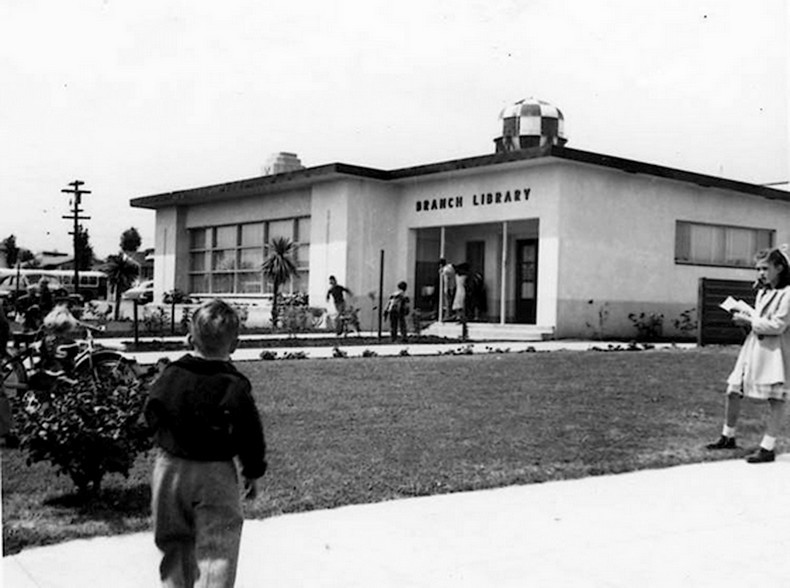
{"x":724,"y":442}
{"x":761,"y":456}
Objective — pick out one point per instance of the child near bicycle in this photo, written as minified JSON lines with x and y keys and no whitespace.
{"x":203,"y":415}
{"x":59,"y":346}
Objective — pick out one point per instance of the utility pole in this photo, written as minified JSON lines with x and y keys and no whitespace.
{"x":76,"y":201}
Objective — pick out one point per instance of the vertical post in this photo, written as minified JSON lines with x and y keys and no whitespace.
{"x":134,"y":316}
{"x":440,"y":315}
{"x":173,"y":315}
{"x":503,"y":270}
{"x":381,"y":289}
{"x":77,"y":194}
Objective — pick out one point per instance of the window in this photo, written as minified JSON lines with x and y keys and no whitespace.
{"x":704,"y":244}
{"x":227,"y":259}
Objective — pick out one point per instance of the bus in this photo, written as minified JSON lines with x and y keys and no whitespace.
{"x":16,"y":282}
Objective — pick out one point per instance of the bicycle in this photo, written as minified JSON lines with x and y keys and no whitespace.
{"x":28,"y":367}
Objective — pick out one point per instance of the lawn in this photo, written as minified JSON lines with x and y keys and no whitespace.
{"x":346,"y":431}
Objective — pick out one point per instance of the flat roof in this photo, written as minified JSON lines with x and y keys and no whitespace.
{"x":312,"y":175}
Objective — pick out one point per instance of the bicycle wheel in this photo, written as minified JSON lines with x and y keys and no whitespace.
{"x":107,"y":367}
{"x":13,"y":378}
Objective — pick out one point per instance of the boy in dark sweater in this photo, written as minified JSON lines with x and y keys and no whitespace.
{"x":203,"y":416}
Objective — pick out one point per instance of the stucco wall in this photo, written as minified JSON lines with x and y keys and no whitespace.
{"x":618,"y":246}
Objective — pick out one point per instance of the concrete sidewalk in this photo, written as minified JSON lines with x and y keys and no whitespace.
{"x":718,"y":524}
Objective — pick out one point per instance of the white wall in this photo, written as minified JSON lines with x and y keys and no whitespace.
{"x":617,"y":244}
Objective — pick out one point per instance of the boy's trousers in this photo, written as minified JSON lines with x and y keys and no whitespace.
{"x":197,"y":521}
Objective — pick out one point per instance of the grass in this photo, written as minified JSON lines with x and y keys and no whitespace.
{"x":348,"y":431}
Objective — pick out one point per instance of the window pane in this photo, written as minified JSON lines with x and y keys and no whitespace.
{"x":198,"y":283}
{"x":282,"y":228}
{"x":303,"y":256}
{"x":252,"y":235}
{"x":251,"y":258}
{"x":300,"y":282}
{"x":225,"y":237}
{"x":197,"y":262}
{"x":765,"y":239}
{"x":222,"y":283}
{"x":718,"y":244}
{"x":303,"y":230}
{"x":223,"y":260}
{"x":197,"y":239}
{"x":249,"y":283}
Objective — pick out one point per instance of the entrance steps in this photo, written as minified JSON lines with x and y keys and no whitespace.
{"x":490,"y":331}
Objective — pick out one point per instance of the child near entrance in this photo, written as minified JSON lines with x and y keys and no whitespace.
{"x":397,"y":310}
{"x":762,"y":370}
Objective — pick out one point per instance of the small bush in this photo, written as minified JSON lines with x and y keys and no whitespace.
{"x":268,"y":355}
{"x":649,"y":327}
{"x":339,"y":353}
{"x":85,"y":428}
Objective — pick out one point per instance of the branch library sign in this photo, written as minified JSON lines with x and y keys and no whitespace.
{"x":482,"y":199}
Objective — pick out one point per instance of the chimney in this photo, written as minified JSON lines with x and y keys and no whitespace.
{"x":280,"y":163}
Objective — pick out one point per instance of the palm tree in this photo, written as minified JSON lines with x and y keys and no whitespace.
{"x":121,"y":272}
{"x":279,"y":267}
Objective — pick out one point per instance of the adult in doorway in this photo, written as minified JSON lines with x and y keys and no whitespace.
{"x":447,"y":284}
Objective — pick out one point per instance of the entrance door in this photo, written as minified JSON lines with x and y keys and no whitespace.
{"x":476,"y":256}
{"x":526,"y":280}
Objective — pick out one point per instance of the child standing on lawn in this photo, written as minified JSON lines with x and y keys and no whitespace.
{"x":203,"y":415}
{"x":762,"y":370}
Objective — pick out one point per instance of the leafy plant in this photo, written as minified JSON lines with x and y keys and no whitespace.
{"x":687,"y":322}
{"x":84,"y":428}
{"x":279,"y":267}
{"x":649,"y":326}
{"x":155,"y":320}
{"x":121,"y":272}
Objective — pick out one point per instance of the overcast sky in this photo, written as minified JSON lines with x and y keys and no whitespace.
{"x":149,"y":96}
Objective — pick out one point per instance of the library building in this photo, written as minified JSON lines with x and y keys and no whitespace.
{"x":543,"y":239}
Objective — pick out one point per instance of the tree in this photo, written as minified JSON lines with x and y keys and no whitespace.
{"x":11,"y":250}
{"x":121,"y":273}
{"x":27,"y":258}
{"x":279,"y":267}
{"x":84,"y":259}
{"x":130,"y":240}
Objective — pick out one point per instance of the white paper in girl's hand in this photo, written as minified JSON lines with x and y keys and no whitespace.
{"x":731,"y":305}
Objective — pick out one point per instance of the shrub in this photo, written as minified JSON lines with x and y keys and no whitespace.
{"x":84,"y":428}
{"x":686,"y":323}
{"x":648,"y":326}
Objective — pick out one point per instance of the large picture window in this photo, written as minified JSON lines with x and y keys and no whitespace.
{"x":227,"y":259}
{"x":721,"y":245}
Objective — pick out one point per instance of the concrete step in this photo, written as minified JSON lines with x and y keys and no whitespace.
{"x":491,"y":331}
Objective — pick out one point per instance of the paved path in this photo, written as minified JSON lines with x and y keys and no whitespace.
{"x":723,"y":524}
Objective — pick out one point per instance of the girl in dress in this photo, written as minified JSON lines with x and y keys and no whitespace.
{"x":762,"y":370}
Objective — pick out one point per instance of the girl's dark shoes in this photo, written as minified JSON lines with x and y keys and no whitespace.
{"x":724,"y":442}
{"x":761,"y":456}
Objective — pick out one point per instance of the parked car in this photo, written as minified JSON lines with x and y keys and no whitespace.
{"x":13,"y":286}
{"x":143,"y":292}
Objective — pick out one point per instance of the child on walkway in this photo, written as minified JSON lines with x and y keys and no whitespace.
{"x":397,"y":310}
{"x":203,"y":415}
{"x":762,"y":370}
